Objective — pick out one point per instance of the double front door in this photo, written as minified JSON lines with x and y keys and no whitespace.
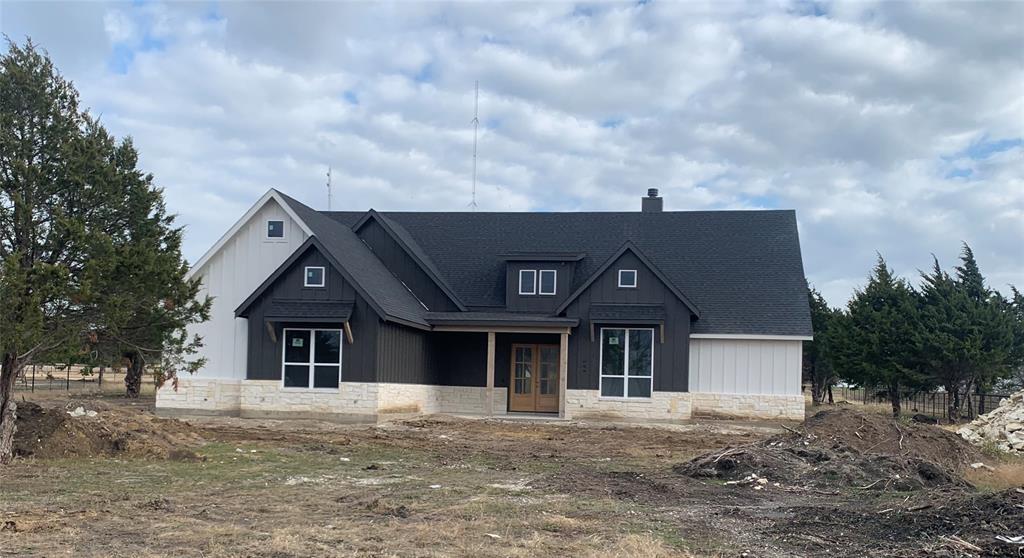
{"x":533,"y":386}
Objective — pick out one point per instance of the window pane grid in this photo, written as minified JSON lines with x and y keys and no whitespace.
{"x":313,"y":363}
{"x":627,"y":362}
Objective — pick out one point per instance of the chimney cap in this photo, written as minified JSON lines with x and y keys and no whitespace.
{"x":652,"y":192}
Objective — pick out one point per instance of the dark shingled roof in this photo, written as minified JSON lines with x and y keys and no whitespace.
{"x":375,"y":281}
{"x":743,"y":269}
{"x":620,"y":312}
{"x":340,"y":311}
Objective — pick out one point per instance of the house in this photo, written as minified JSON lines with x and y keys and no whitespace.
{"x":649,"y":314}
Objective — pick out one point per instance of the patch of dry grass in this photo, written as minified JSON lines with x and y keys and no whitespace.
{"x":1006,"y":473}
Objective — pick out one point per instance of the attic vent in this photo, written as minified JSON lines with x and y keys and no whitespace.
{"x":652,"y":203}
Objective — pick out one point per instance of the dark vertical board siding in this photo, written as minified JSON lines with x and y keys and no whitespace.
{"x":264,"y":355}
{"x":404,"y":355}
{"x":461,"y":358}
{"x":671,"y":358}
{"x":542,"y":304}
{"x":359,"y":360}
{"x":404,"y":267}
{"x":412,"y":356}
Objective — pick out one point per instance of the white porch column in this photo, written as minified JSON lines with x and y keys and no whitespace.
{"x":490,"y":372}
{"x":563,"y":371}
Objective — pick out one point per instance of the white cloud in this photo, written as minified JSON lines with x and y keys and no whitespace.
{"x":879,"y":122}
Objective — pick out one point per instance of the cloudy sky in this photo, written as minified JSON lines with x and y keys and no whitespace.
{"x":891,"y":127}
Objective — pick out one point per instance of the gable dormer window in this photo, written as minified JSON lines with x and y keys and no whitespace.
{"x":627,"y":278}
{"x":275,"y":229}
{"x":314,"y":277}
{"x":527,"y":281}
{"x":546,"y":283}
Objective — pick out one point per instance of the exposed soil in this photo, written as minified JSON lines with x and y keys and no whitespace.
{"x":845,"y":448}
{"x":928,"y":524}
{"x":443,"y":486}
{"x":51,"y":432}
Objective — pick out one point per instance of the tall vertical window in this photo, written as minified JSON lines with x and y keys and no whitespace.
{"x":546,"y":281}
{"x":275,"y":229}
{"x":527,"y":281}
{"x":312,"y":358}
{"x":627,"y":362}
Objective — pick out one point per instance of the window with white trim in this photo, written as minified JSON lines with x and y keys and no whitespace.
{"x":627,"y":362}
{"x":311,"y":358}
{"x":546,"y":282}
{"x":275,"y":229}
{"x":627,"y":278}
{"x":314,"y":277}
{"x":527,"y":281}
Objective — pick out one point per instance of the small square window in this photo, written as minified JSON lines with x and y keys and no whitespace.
{"x":527,"y":281}
{"x":547,"y":282}
{"x":275,"y":229}
{"x":627,"y":278}
{"x":314,"y":277}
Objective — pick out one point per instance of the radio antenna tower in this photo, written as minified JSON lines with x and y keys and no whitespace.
{"x":476,"y":124}
{"x":328,"y":187}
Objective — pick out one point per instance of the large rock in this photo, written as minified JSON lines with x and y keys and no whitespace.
{"x":1003,"y":427}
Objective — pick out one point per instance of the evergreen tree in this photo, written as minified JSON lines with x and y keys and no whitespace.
{"x":969,"y":331}
{"x":79,"y":226}
{"x":817,"y":361}
{"x":145,"y":300}
{"x":876,"y":343}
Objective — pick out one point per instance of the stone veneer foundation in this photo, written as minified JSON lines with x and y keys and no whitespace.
{"x":673,"y":406}
{"x":372,"y":402}
{"x":351,"y":402}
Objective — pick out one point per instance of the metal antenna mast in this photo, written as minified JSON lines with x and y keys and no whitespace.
{"x":476,"y":124}
{"x":328,"y":187}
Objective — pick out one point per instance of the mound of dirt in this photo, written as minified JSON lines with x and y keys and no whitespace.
{"x":845,"y":447}
{"x":48,"y":433}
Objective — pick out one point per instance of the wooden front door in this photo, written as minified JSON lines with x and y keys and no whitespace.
{"x":533,"y":386}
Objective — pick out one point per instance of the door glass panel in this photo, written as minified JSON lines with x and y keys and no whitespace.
{"x":296,"y":346}
{"x":296,"y":376}
{"x":613,"y":346}
{"x":328,"y":346}
{"x":523,"y":371}
{"x":548,"y":373}
{"x":641,"y":343}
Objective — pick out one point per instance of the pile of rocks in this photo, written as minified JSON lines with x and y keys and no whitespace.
{"x":1003,"y":427}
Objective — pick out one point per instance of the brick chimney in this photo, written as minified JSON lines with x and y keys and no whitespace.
{"x":652,"y":203}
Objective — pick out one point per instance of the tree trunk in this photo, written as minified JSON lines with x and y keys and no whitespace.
{"x":953,"y":400}
{"x":831,"y":400}
{"x":100,"y":382}
{"x":8,"y":407}
{"x":133,"y":375}
{"x":816,"y":391}
{"x":894,"y":398}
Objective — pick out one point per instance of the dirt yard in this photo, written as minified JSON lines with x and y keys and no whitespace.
{"x":125,"y":483}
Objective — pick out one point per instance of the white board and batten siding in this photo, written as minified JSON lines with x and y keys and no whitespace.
{"x":230,"y":274}
{"x":746,"y":366}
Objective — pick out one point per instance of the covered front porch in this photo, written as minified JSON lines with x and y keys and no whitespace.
{"x":527,"y":354}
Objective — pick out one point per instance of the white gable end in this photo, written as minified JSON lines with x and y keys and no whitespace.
{"x":231,"y":270}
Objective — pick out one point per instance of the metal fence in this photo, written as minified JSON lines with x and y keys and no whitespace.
{"x":63,"y":378}
{"x":933,"y":404}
